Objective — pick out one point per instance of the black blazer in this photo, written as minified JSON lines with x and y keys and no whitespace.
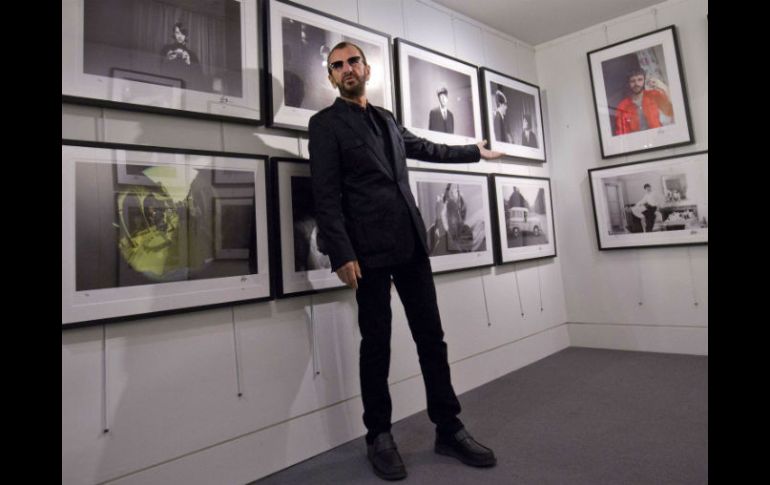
{"x":501,"y":134}
{"x":356,"y":192}
{"x":436,"y":121}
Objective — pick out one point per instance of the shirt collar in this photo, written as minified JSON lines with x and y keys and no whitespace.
{"x":355,"y":107}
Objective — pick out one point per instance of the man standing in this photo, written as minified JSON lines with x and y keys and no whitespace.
{"x":499,"y":122}
{"x":644,"y":109}
{"x":647,"y":207}
{"x":371,"y":229}
{"x":179,"y":61}
{"x":441,"y":119}
{"x":528,"y":137}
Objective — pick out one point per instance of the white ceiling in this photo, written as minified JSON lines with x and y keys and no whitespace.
{"x":538,"y":21}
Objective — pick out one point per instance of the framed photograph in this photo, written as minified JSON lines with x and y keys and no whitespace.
{"x":199,"y":59}
{"x":523,"y":212}
{"x":653,"y":203}
{"x":166,"y":238}
{"x":438,"y":95}
{"x":455,"y":210}
{"x":300,"y":266}
{"x":299,"y":42}
{"x":513,"y":116}
{"x":640,"y":95}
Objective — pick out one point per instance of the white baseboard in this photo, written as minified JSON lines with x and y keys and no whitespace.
{"x":691,"y":340}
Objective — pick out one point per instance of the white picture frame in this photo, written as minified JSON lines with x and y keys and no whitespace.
{"x":524,"y":222}
{"x":98,"y":68}
{"x":300,"y":39}
{"x":632,"y":209}
{"x":612,"y":68}
{"x":422,"y":74}
{"x":505,"y":132}
{"x":459,"y":233}
{"x":300,"y":266}
{"x":133,"y":250}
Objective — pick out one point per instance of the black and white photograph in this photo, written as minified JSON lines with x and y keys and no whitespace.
{"x":523,"y":218}
{"x":438,"y":95}
{"x":231,"y":216}
{"x":640,"y":94}
{"x":307,"y":254}
{"x":300,"y":40}
{"x":441,"y":98}
{"x":455,"y":210}
{"x":652,"y":203}
{"x":168,"y":237}
{"x":303,"y":267}
{"x":172,"y":55}
{"x":513,"y":116}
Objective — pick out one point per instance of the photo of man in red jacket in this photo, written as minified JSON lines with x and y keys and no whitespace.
{"x":643,"y":109}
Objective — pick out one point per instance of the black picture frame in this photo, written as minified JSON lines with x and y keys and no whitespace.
{"x":434,"y":73}
{"x":314,"y":34}
{"x":522,"y":99}
{"x":298,"y":267}
{"x":670,"y":202}
{"x":472,"y":245}
{"x":524,"y":230}
{"x":111,"y":61}
{"x":650,"y":58}
{"x":130,"y":274}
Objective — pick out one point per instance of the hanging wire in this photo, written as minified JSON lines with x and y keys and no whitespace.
{"x":516,"y":59}
{"x":237,"y":359}
{"x":486,"y":304}
{"x":105,"y":424}
{"x":403,"y":19}
{"x":655,"y":16}
{"x":222,"y":135}
{"x":454,"y":37}
{"x":316,"y":370}
{"x":606,"y":35}
{"x":540,"y":287}
{"x":639,"y":278}
{"x":518,"y":290}
{"x":692,"y":279}
{"x":100,"y":126}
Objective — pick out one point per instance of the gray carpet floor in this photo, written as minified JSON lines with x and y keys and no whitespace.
{"x":581,"y":416}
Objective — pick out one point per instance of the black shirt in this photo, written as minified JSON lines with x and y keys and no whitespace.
{"x":378,"y":128}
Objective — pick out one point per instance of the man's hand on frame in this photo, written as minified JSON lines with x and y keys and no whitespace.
{"x":487,"y":154}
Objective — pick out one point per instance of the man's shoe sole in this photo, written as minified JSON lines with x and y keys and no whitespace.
{"x":449,"y":451}
{"x":388,"y":476}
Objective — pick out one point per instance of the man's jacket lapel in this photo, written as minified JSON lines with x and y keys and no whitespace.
{"x":355,"y":124}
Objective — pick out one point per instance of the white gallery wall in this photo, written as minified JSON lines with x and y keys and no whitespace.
{"x":167,"y":388}
{"x":650,"y":299}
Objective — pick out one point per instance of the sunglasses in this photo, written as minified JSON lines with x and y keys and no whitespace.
{"x":337,"y":65}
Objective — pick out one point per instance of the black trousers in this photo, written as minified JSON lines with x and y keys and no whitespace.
{"x":414,"y":282}
{"x":649,"y":219}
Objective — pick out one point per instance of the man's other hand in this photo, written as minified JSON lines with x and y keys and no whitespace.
{"x":349,"y":273}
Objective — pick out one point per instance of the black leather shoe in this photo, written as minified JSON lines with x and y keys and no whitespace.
{"x":385,"y":459}
{"x":462,"y":446}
